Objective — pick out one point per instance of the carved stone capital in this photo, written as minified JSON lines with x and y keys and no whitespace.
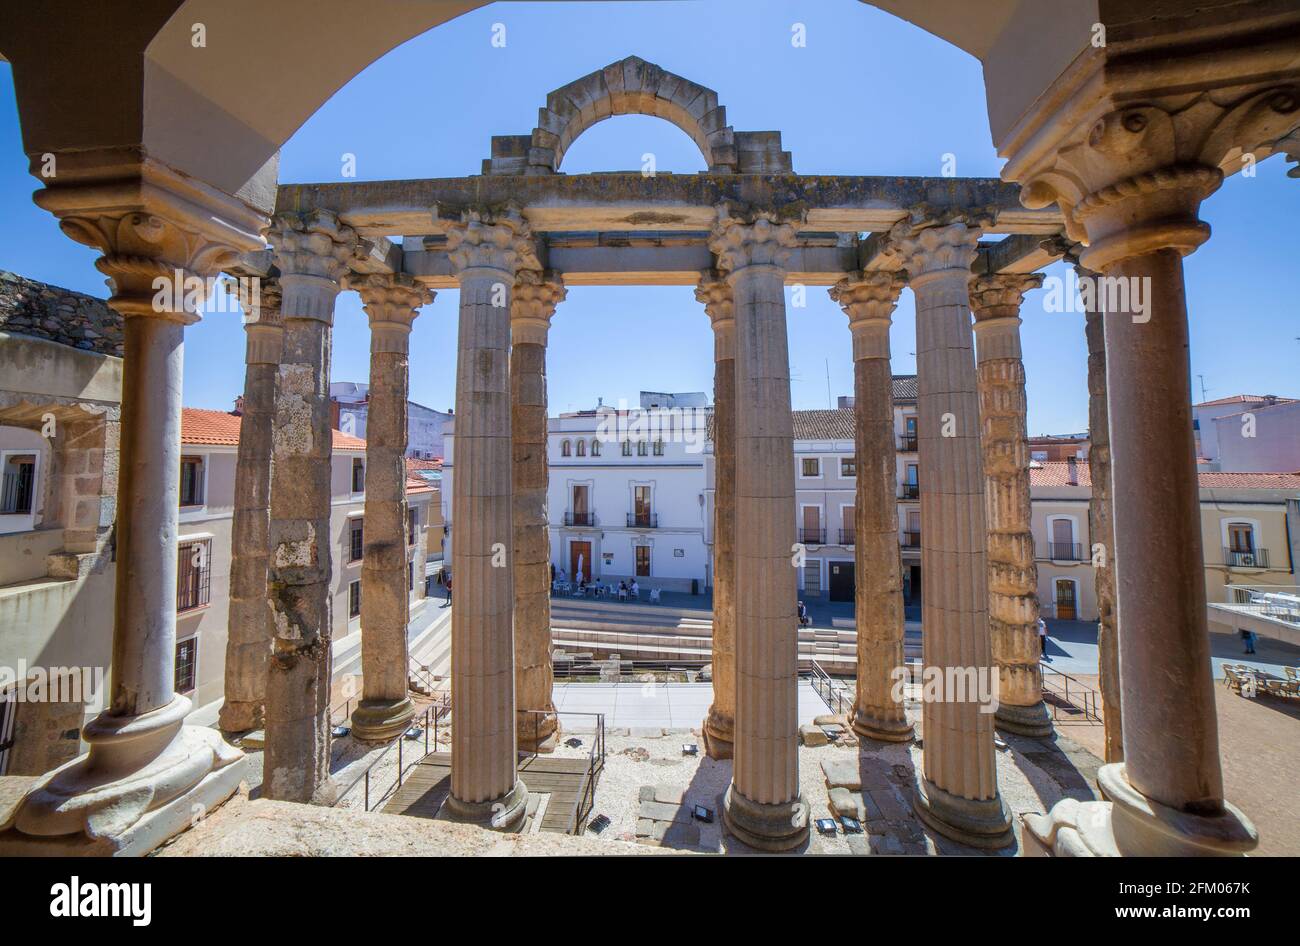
{"x":869,"y":299}
{"x":532,"y":304}
{"x":263,"y":325}
{"x":484,"y":240}
{"x":1131,"y":181}
{"x":312,"y":252}
{"x":928,"y":249}
{"x":1000,"y":295}
{"x":715,"y":294}
{"x":391,"y":301}
{"x":162,"y":234}
{"x":741,"y":240}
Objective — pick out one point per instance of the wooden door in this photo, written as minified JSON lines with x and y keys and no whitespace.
{"x":579,"y":550}
{"x":1066,"y":607}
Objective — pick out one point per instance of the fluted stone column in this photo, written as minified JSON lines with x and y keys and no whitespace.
{"x":958,"y":793}
{"x":1101,"y":529}
{"x":1131,"y":185}
{"x":248,"y":641}
{"x":868,"y":299}
{"x":763,"y":806}
{"x":385,"y":709}
{"x":536,"y":295}
{"x":147,"y":775}
{"x":312,"y":252}
{"x":720,"y":725}
{"x":1013,"y":576}
{"x":485,"y":786}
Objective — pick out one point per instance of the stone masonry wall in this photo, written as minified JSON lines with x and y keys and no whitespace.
{"x":29,"y":307}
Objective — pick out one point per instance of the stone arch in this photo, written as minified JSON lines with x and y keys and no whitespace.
{"x":633,"y":86}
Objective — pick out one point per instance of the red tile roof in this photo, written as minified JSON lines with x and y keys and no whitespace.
{"x":221,"y":429}
{"x":415,"y":464}
{"x":1056,"y":473}
{"x":1243,"y":399}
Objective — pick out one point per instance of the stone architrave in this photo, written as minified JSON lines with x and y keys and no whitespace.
{"x":714,"y":292}
{"x":957,"y":794}
{"x":385,"y":709}
{"x":1130,"y":184}
{"x":248,"y":642}
{"x":147,"y":772}
{"x":487,"y":251}
{"x":312,"y":252}
{"x":763,"y":806}
{"x":868,"y":299}
{"x":536,"y":294}
{"x":1013,"y":577}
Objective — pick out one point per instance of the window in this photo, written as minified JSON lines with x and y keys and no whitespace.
{"x":595,"y":448}
{"x":848,"y":466}
{"x":354,"y":599}
{"x":187,"y":664}
{"x":410,"y":575}
{"x":356,"y":539}
{"x":19,"y":484}
{"x":812,"y":466}
{"x":912,"y":488}
{"x":641,"y":499}
{"x":564,"y":448}
{"x":643,"y":561}
{"x":582,"y":448}
{"x":627,"y":448}
{"x":358,"y":475}
{"x":1241,"y":537}
{"x":412,"y":523}
{"x":659,"y":448}
{"x":191,"y":481}
{"x":193,"y":575}
{"x":640,"y":448}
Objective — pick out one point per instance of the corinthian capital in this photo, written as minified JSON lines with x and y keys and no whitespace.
{"x":532,"y":304}
{"x":868,"y":296}
{"x":391,"y":301}
{"x":715,"y":294}
{"x":312,"y":252}
{"x":999,"y":295}
{"x":482,"y":240}
{"x":758,"y":239}
{"x":928,"y":247}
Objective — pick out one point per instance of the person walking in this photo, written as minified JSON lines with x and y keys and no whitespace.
{"x":1249,"y":638}
{"x":1042,"y":637}
{"x":448,"y":589}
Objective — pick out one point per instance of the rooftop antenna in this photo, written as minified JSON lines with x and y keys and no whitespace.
{"x":830,"y":404}
{"x":1203,"y":388}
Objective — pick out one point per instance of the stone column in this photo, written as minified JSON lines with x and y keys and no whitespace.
{"x":1131,"y":188}
{"x":536,"y":295}
{"x":312,"y":252}
{"x":1101,"y":530}
{"x":958,"y":793}
{"x":385,"y":709}
{"x":720,"y":725}
{"x":868,"y":299}
{"x":1012,"y":575}
{"x":485,"y":786}
{"x":248,"y":641}
{"x":763,"y":805}
{"x":147,"y":773}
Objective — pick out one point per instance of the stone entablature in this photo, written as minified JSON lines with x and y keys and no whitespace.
{"x":31,"y":307}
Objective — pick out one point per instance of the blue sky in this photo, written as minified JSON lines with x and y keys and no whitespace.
{"x":869,"y":94}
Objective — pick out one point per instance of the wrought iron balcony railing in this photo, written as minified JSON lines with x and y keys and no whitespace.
{"x":1065,"y":551}
{"x":812,"y":536}
{"x":642,"y":520}
{"x":911,"y":540}
{"x":907,"y":443}
{"x":846,"y":536}
{"x":911,"y":491}
{"x":1245,"y":558}
{"x":583,"y":519}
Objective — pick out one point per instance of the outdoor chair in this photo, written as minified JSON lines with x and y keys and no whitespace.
{"x":654,"y":596}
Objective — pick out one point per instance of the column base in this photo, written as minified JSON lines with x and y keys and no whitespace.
{"x":1032,"y":721}
{"x":238,"y":716}
{"x":976,"y":822}
{"x":501,"y":814}
{"x":535,"y":733}
{"x":1132,"y":825}
{"x":719,"y":734}
{"x":145,"y":779}
{"x":766,"y":827}
{"x":379,"y":721}
{"x":883,"y":730}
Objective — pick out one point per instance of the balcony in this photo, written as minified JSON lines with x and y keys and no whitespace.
{"x":1065,"y":551}
{"x":846,"y":536}
{"x":642,"y":520}
{"x":911,"y":540}
{"x":582,"y":520}
{"x":1245,"y":558}
{"x":812,"y":536}
{"x":911,"y":491}
{"x":907,"y":443}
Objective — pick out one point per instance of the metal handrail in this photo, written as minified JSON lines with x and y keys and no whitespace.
{"x":364,"y":777}
{"x":595,"y":762}
{"x":821,"y":683}
{"x":1091,"y":698}
{"x":583,"y":664}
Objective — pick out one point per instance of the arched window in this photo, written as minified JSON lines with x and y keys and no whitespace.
{"x":595,"y":448}
{"x":582,"y":448}
{"x":564,"y":448}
